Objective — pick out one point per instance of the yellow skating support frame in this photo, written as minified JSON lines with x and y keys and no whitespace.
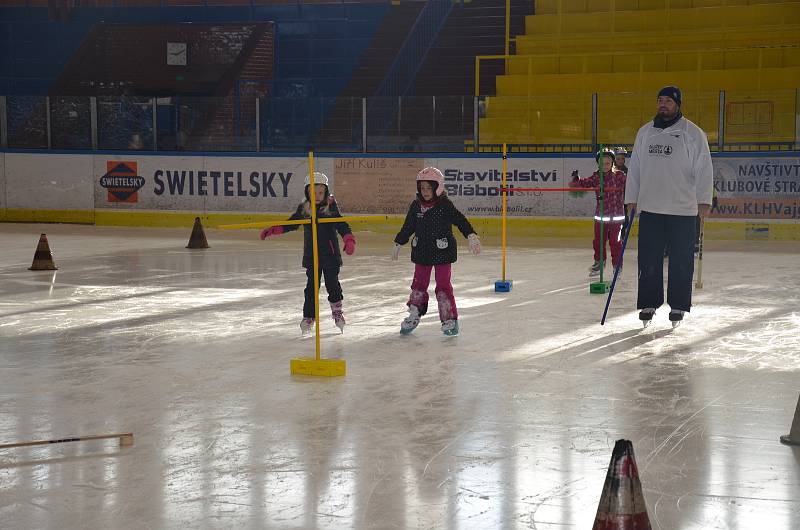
{"x":503,"y":285}
{"x":316,"y":366}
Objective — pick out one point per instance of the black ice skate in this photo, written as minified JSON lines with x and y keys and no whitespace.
{"x":646,"y":315}
{"x":676,"y":317}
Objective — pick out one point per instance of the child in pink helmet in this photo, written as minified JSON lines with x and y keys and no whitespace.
{"x":430,"y":220}
{"x":330,"y":257}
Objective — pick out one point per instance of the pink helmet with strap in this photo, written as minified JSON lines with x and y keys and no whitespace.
{"x":434,"y":176}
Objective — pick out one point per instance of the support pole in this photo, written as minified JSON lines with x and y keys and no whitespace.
{"x":601,"y":287}
{"x":93,"y":120}
{"x":258,"y":124}
{"x":313,"y":203}
{"x":49,"y":124}
{"x":503,"y":285}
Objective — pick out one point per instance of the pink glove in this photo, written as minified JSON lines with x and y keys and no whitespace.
{"x":349,"y":244}
{"x":271,"y":231}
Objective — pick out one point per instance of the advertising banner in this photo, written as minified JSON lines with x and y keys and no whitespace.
{"x":48,"y":182}
{"x":474,"y":185}
{"x":757,"y":188}
{"x":217,"y":184}
{"x":376,"y":185}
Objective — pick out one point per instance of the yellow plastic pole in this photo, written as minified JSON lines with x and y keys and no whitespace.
{"x":508,"y":27}
{"x":503,"y":229}
{"x":313,"y":200}
{"x":477,"y":76}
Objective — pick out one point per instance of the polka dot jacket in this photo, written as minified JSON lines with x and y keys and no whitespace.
{"x":431,"y":232}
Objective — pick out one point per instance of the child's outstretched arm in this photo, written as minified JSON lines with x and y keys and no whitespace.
{"x":344,"y":229}
{"x":465,"y":227}
{"x":588,"y":182}
{"x":277,"y":230}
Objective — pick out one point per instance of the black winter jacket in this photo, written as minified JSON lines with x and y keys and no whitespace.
{"x":327,"y":243}
{"x":433,"y":242}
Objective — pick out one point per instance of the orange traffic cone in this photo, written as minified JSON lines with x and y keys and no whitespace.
{"x":622,"y":504}
{"x":198,"y":237}
{"x":793,"y":438}
{"x":43,"y":258}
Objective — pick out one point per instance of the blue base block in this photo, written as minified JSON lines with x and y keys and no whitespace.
{"x":501,"y":286}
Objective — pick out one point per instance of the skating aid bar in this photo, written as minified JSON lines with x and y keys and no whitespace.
{"x":348,"y":219}
{"x":556,"y":189}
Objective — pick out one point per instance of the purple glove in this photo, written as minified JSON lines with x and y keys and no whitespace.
{"x":349,"y":244}
{"x":271,"y":231}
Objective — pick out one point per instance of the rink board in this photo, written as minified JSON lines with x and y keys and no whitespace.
{"x":758,"y":195}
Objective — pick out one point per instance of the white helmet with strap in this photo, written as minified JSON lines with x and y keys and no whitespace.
{"x":320,"y":179}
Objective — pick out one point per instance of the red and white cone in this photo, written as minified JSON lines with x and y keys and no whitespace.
{"x":43,"y":258}
{"x":622,"y":505}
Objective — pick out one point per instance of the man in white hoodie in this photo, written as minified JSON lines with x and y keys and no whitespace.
{"x":670,"y":180}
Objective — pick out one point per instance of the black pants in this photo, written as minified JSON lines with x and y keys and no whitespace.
{"x":331,"y":284}
{"x":656,"y":233}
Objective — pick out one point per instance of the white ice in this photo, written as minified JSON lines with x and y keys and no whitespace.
{"x":509,"y":425}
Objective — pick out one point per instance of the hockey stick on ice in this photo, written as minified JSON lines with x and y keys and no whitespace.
{"x":631,"y":217}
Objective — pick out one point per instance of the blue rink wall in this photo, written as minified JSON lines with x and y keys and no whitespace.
{"x":758,"y":193}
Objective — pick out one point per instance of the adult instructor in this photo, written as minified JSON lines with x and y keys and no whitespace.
{"x":670,"y":180}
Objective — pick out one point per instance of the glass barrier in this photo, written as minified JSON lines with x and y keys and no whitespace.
{"x":766,"y":120}
{"x":419,"y":123}
{"x":27,"y":122}
{"x":70,"y":123}
{"x":125,"y":123}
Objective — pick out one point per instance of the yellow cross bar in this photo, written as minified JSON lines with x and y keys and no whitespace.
{"x":264,"y":224}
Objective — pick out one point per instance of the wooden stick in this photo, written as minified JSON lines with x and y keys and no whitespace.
{"x":124,"y":439}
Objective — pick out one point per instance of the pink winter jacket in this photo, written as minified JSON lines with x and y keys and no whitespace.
{"x":614,"y":204}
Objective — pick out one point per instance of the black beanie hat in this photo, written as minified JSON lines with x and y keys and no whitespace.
{"x":671,"y":92}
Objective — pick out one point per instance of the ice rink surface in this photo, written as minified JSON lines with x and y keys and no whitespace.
{"x":509,"y":425}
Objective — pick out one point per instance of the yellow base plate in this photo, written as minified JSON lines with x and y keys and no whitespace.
{"x":321,"y":367}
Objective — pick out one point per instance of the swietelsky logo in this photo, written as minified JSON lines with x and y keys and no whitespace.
{"x":122,"y":181}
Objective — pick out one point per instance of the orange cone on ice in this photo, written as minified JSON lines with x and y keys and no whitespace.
{"x":43,"y":258}
{"x":198,"y":237}
{"x":622,"y":504}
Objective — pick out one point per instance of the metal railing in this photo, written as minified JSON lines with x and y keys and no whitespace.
{"x":733,"y":121}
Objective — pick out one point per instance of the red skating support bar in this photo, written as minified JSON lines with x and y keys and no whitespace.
{"x":557,"y":189}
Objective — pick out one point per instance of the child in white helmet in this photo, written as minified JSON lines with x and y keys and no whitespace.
{"x":430,"y":220}
{"x":620,"y":154}
{"x":330,"y":257}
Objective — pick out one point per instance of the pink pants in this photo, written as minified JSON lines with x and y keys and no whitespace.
{"x":612,"y":231}
{"x":444,"y":291}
